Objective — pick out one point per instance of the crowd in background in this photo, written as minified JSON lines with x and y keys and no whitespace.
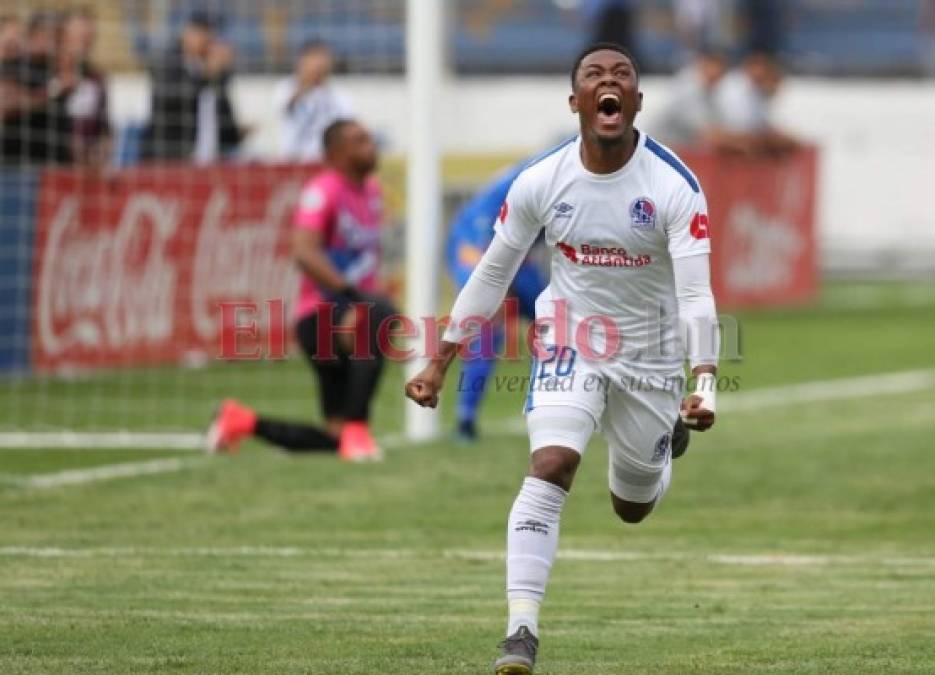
{"x":192,"y":115}
{"x":700,"y":24}
{"x":713,"y":104}
{"x":53,"y":99}
{"x":727,"y":110}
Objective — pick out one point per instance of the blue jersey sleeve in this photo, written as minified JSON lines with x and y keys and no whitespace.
{"x":472,"y":228}
{"x":474,"y":222}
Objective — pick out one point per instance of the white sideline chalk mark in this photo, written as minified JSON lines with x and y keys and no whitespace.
{"x":829,"y":390}
{"x":894,"y":383}
{"x":576,"y":555}
{"x":109,"y":440}
{"x":753,"y":559}
{"x":120,"y":440}
{"x":44,"y":481}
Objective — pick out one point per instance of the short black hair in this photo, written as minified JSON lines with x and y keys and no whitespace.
{"x":332,"y":133}
{"x":598,"y":47}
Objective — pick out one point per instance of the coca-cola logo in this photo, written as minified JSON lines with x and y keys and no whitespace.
{"x":107,"y":288}
{"x":240,"y":259}
{"x":139,"y":278}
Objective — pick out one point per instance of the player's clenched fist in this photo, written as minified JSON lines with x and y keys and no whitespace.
{"x":698,"y":409}
{"x":425,"y":387}
{"x":695,"y":414}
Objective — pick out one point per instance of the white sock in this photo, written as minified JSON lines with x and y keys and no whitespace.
{"x":531,"y":543}
{"x":664,"y":483}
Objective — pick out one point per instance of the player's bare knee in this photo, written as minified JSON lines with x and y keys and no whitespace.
{"x":555,"y":465}
{"x":631,"y":512}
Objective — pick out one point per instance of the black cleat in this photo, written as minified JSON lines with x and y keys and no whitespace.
{"x":680,"y":437}
{"x":466,"y":433}
{"x":519,"y":654}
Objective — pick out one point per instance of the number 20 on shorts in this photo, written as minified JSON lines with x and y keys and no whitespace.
{"x":560,"y":363}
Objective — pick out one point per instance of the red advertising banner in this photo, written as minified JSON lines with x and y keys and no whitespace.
{"x":129,"y":269}
{"x":762,"y":219}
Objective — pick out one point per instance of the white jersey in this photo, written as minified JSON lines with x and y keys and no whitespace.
{"x":613,"y":238}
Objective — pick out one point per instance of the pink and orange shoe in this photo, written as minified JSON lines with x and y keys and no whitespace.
{"x":232,"y":422}
{"x":357,"y":445}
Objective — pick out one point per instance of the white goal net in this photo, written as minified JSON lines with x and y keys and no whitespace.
{"x":147,"y":180}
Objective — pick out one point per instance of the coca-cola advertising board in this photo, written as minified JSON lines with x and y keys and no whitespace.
{"x":130,"y":269}
{"x":762,"y":222}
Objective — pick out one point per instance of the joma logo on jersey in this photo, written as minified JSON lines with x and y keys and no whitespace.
{"x":563,"y":210}
{"x":602,"y":256}
{"x":643,"y":214}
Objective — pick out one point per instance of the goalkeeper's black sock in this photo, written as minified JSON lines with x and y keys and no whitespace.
{"x":295,"y":437}
{"x":362,"y":380}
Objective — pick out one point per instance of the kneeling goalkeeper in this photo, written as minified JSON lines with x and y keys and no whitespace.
{"x":337,"y":246}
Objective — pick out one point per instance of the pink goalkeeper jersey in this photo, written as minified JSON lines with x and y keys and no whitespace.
{"x":349,"y":217}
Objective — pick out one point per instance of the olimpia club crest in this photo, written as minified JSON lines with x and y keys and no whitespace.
{"x":662,"y":447}
{"x":643,"y":214}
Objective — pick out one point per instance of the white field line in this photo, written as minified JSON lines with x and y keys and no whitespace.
{"x":829,"y":390}
{"x":774,"y":559}
{"x":120,"y":440}
{"x":864,"y":386}
{"x":107,"y":440}
{"x":43,"y":481}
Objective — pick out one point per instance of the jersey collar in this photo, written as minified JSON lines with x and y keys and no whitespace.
{"x":622,"y":171}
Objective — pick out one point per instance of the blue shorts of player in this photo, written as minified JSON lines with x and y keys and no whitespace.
{"x":462,"y":256}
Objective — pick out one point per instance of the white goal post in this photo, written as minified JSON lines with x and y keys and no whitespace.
{"x":425,"y":72}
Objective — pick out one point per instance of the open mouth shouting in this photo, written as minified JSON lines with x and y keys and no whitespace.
{"x":609,"y":110}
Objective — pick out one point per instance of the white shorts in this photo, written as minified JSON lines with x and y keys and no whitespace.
{"x":570,"y":397}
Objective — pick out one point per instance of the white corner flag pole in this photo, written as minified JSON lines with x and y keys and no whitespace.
{"x":424,"y":72}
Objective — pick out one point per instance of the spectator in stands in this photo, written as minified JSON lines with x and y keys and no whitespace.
{"x":691,"y":116}
{"x":11,"y":38}
{"x":192,"y":117}
{"x":743,"y":101}
{"x":34,"y":126}
{"x":86,"y":102}
{"x":11,"y":48}
{"x":308,"y":104}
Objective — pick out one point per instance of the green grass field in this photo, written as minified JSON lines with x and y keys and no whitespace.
{"x":798,"y":536}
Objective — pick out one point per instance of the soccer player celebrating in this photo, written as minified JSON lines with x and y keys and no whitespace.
{"x":629,"y":297}
{"x":470,"y":235}
{"x":337,"y":246}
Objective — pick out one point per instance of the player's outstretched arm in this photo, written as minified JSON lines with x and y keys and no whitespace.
{"x":425,"y":387}
{"x":699,"y":328}
{"x":480,"y":298}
